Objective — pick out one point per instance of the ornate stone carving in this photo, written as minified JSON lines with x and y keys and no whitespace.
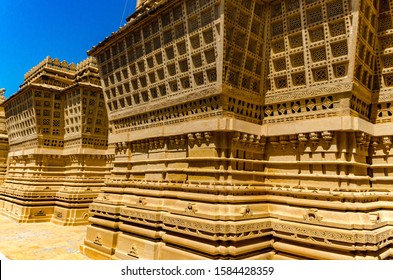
{"x":40,"y":213}
{"x":284,"y":141}
{"x":327,"y":136}
{"x":191,"y":208}
{"x":98,"y":240}
{"x":293,"y":139}
{"x":374,"y":144}
{"x":246,"y":211}
{"x":314,"y":138}
{"x":199,"y":138}
{"x":312,"y":216}
{"x":303,"y":140}
{"x":387,"y":143}
{"x":133,"y":251}
{"x":208,"y":137}
{"x":191,"y":139}
{"x":362,"y":140}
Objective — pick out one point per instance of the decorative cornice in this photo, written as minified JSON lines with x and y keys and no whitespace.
{"x":311,"y":92}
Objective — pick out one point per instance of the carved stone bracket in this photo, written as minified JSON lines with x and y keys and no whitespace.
{"x":208,"y":137}
{"x":191,"y":139}
{"x":303,"y":140}
{"x":140,"y":146}
{"x":293,"y":139}
{"x":327,"y":136}
{"x":198,"y":138}
{"x":245,"y":140}
{"x":374,"y":144}
{"x":98,"y":240}
{"x":236,"y":137}
{"x":284,"y":141}
{"x":40,"y":213}
{"x":314,"y":138}
{"x":387,"y":143}
{"x":362,"y":140}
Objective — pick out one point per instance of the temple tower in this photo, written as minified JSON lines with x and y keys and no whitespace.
{"x":54,"y":171}
{"x":247,"y":130}
{"x":85,"y":145}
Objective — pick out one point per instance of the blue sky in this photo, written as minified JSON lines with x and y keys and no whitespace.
{"x":30,"y":30}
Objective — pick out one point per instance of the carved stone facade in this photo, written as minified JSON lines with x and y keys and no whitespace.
{"x":248,"y":130}
{"x":3,"y":139}
{"x":58,"y":160}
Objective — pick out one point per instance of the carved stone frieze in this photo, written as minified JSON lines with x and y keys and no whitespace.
{"x":312,"y":92}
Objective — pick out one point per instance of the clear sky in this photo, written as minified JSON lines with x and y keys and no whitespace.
{"x":30,"y":30}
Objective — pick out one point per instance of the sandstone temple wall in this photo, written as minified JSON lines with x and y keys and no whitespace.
{"x":214,"y":129}
{"x":3,"y":140}
{"x":247,"y":130}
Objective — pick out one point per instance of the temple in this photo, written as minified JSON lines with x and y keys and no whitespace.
{"x":214,"y":129}
{"x":3,"y":139}
{"x":58,"y":158}
{"x":248,"y":130}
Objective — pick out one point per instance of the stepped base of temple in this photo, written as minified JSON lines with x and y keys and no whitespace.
{"x":70,"y":217}
{"x":26,"y":214}
{"x":43,"y":204}
{"x":243,"y":196}
{"x":60,"y":194}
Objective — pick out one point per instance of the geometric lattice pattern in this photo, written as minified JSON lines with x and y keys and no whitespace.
{"x":307,"y":33}
{"x":58,"y":132}
{"x":174,"y":53}
{"x":366,"y":64}
{"x":244,"y":44}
